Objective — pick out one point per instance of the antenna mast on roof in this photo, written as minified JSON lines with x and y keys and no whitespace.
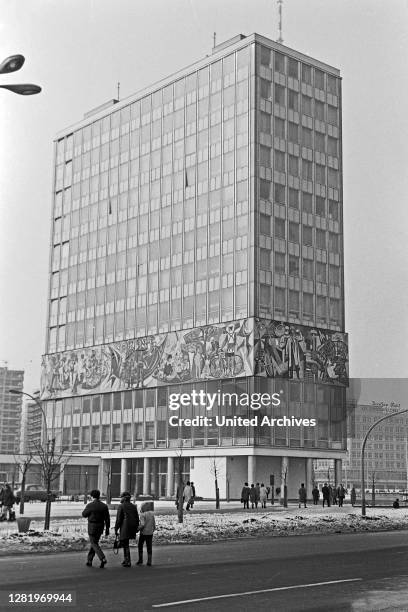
{"x":214,"y":39}
{"x":280,"y":2}
{"x":118,"y":91}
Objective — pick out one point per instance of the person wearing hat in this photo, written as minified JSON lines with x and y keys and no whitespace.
{"x":98,"y":517}
{"x":127,"y":525}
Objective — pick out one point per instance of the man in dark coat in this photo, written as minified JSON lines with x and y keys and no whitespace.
{"x":326,"y":494}
{"x":302,"y":495}
{"x":245,"y":495}
{"x":127,"y":525}
{"x":98,"y":517}
{"x":8,"y":500}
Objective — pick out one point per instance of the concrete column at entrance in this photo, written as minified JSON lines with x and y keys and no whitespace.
{"x":170,"y":477}
{"x":284,"y":473}
{"x":146,"y":476}
{"x":251,"y":469}
{"x":123,"y":475}
{"x":309,"y":477}
{"x":338,"y":471}
{"x":154,"y":483}
{"x":61,"y":483}
{"x":103,"y":475}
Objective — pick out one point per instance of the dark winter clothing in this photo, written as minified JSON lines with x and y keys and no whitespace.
{"x":353,"y":496}
{"x":315,"y":495}
{"x":302,"y":496}
{"x":326,"y":495}
{"x":245,"y":495}
{"x":252,"y":495}
{"x":98,"y":517}
{"x":127,"y":525}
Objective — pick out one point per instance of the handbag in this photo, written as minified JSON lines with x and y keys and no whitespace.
{"x":116,"y":544}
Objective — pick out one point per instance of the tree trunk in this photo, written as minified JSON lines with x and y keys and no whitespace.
{"x":285,"y":496}
{"x":217,"y":495}
{"x":180,"y":496}
{"x":23,"y":483}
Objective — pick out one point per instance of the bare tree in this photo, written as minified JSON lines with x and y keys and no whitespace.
{"x":52,"y":463}
{"x":108,"y":474}
{"x":216,"y":472}
{"x":23,"y":463}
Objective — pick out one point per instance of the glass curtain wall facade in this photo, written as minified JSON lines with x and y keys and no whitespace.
{"x":194,"y":227}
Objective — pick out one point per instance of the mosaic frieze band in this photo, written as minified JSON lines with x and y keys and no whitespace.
{"x":247,"y":347}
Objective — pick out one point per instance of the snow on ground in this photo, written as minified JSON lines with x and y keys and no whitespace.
{"x":71,"y":534}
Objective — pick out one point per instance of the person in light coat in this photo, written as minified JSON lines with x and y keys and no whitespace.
{"x":147,"y":528}
{"x":263,"y":495}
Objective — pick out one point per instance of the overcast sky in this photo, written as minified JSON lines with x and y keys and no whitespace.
{"x":78,"y":50}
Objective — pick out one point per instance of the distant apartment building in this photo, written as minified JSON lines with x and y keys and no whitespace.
{"x":197,"y":245}
{"x":10,"y":410}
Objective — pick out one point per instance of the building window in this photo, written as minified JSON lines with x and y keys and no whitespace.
{"x":293,"y":232}
{"x":279,"y":127}
{"x":307,"y":170}
{"x":321,"y":274}
{"x":265,"y":295}
{"x":307,"y":235}
{"x":293,"y":265}
{"x":293,"y":68}
{"x":265,"y":224}
{"x":306,"y":74}
{"x":265,"y":259}
{"x":265,"y":189}
{"x":279,"y":95}
{"x":280,"y":301}
{"x":294,"y":303}
{"x":280,"y":230}
{"x":279,"y":193}
{"x":307,"y":202}
{"x":279,"y":161}
{"x":265,"y":156}
{"x":333,"y":210}
{"x":293,"y":100}
{"x":320,"y":239}
{"x":308,"y":271}
{"x":293,"y":165}
{"x":332,"y":85}
{"x":293,"y":132}
{"x":293,"y":198}
{"x":280,"y":263}
{"x":308,"y":305}
{"x":307,"y":106}
{"x":332,"y":146}
{"x":319,"y":79}
{"x":320,"y":206}
{"x":320,"y":174}
{"x":279,"y":62}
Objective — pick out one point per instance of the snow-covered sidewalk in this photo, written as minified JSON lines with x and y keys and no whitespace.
{"x":71,"y":534}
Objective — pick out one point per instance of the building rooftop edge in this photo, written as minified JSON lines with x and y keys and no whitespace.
{"x":219,"y":51}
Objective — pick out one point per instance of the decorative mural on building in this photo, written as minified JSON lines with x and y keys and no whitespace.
{"x":240,"y":348}
{"x":203,"y":353}
{"x":283,"y":350}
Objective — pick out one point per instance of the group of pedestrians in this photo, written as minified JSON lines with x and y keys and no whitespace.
{"x":254,"y":494}
{"x":189,"y":494}
{"x":128,"y":523}
{"x":7,"y":501}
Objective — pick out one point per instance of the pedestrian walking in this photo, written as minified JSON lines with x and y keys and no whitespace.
{"x":396,"y":504}
{"x":353,"y":496}
{"x":252,"y":495}
{"x":302,"y":495}
{"x":341,"y":494}
{"x":258,"y":494}
{"x":98,"y":517}
{"x":193,"y":493}
{"x":188,"y":494}
{"x":127,"y":525}
{"x":8,"y":500}
{"x":263,"y":495}
{"x":147,"y":528}
{"x":326,"y":495}
{"x":315,"y":495}
{"x":245,"y":495}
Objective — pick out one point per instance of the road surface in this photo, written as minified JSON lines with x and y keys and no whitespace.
{"x":361,"y":571}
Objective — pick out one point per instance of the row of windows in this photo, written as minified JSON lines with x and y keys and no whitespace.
{"x":295,"y":266}
{"x":320,"y":308}
{"x":313,"y":205}
{"x":298,"y":70}
{"x":323,"y":240}
{"x":299,"y":103}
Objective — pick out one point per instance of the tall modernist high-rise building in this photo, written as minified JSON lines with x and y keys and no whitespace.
{"x":197,"y":245}
{"x":10,"y":410}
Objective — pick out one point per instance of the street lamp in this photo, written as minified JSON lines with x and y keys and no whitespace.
{"x":47,"y":454}
{"x":387,"y":416}
{"x":12,"y":64}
